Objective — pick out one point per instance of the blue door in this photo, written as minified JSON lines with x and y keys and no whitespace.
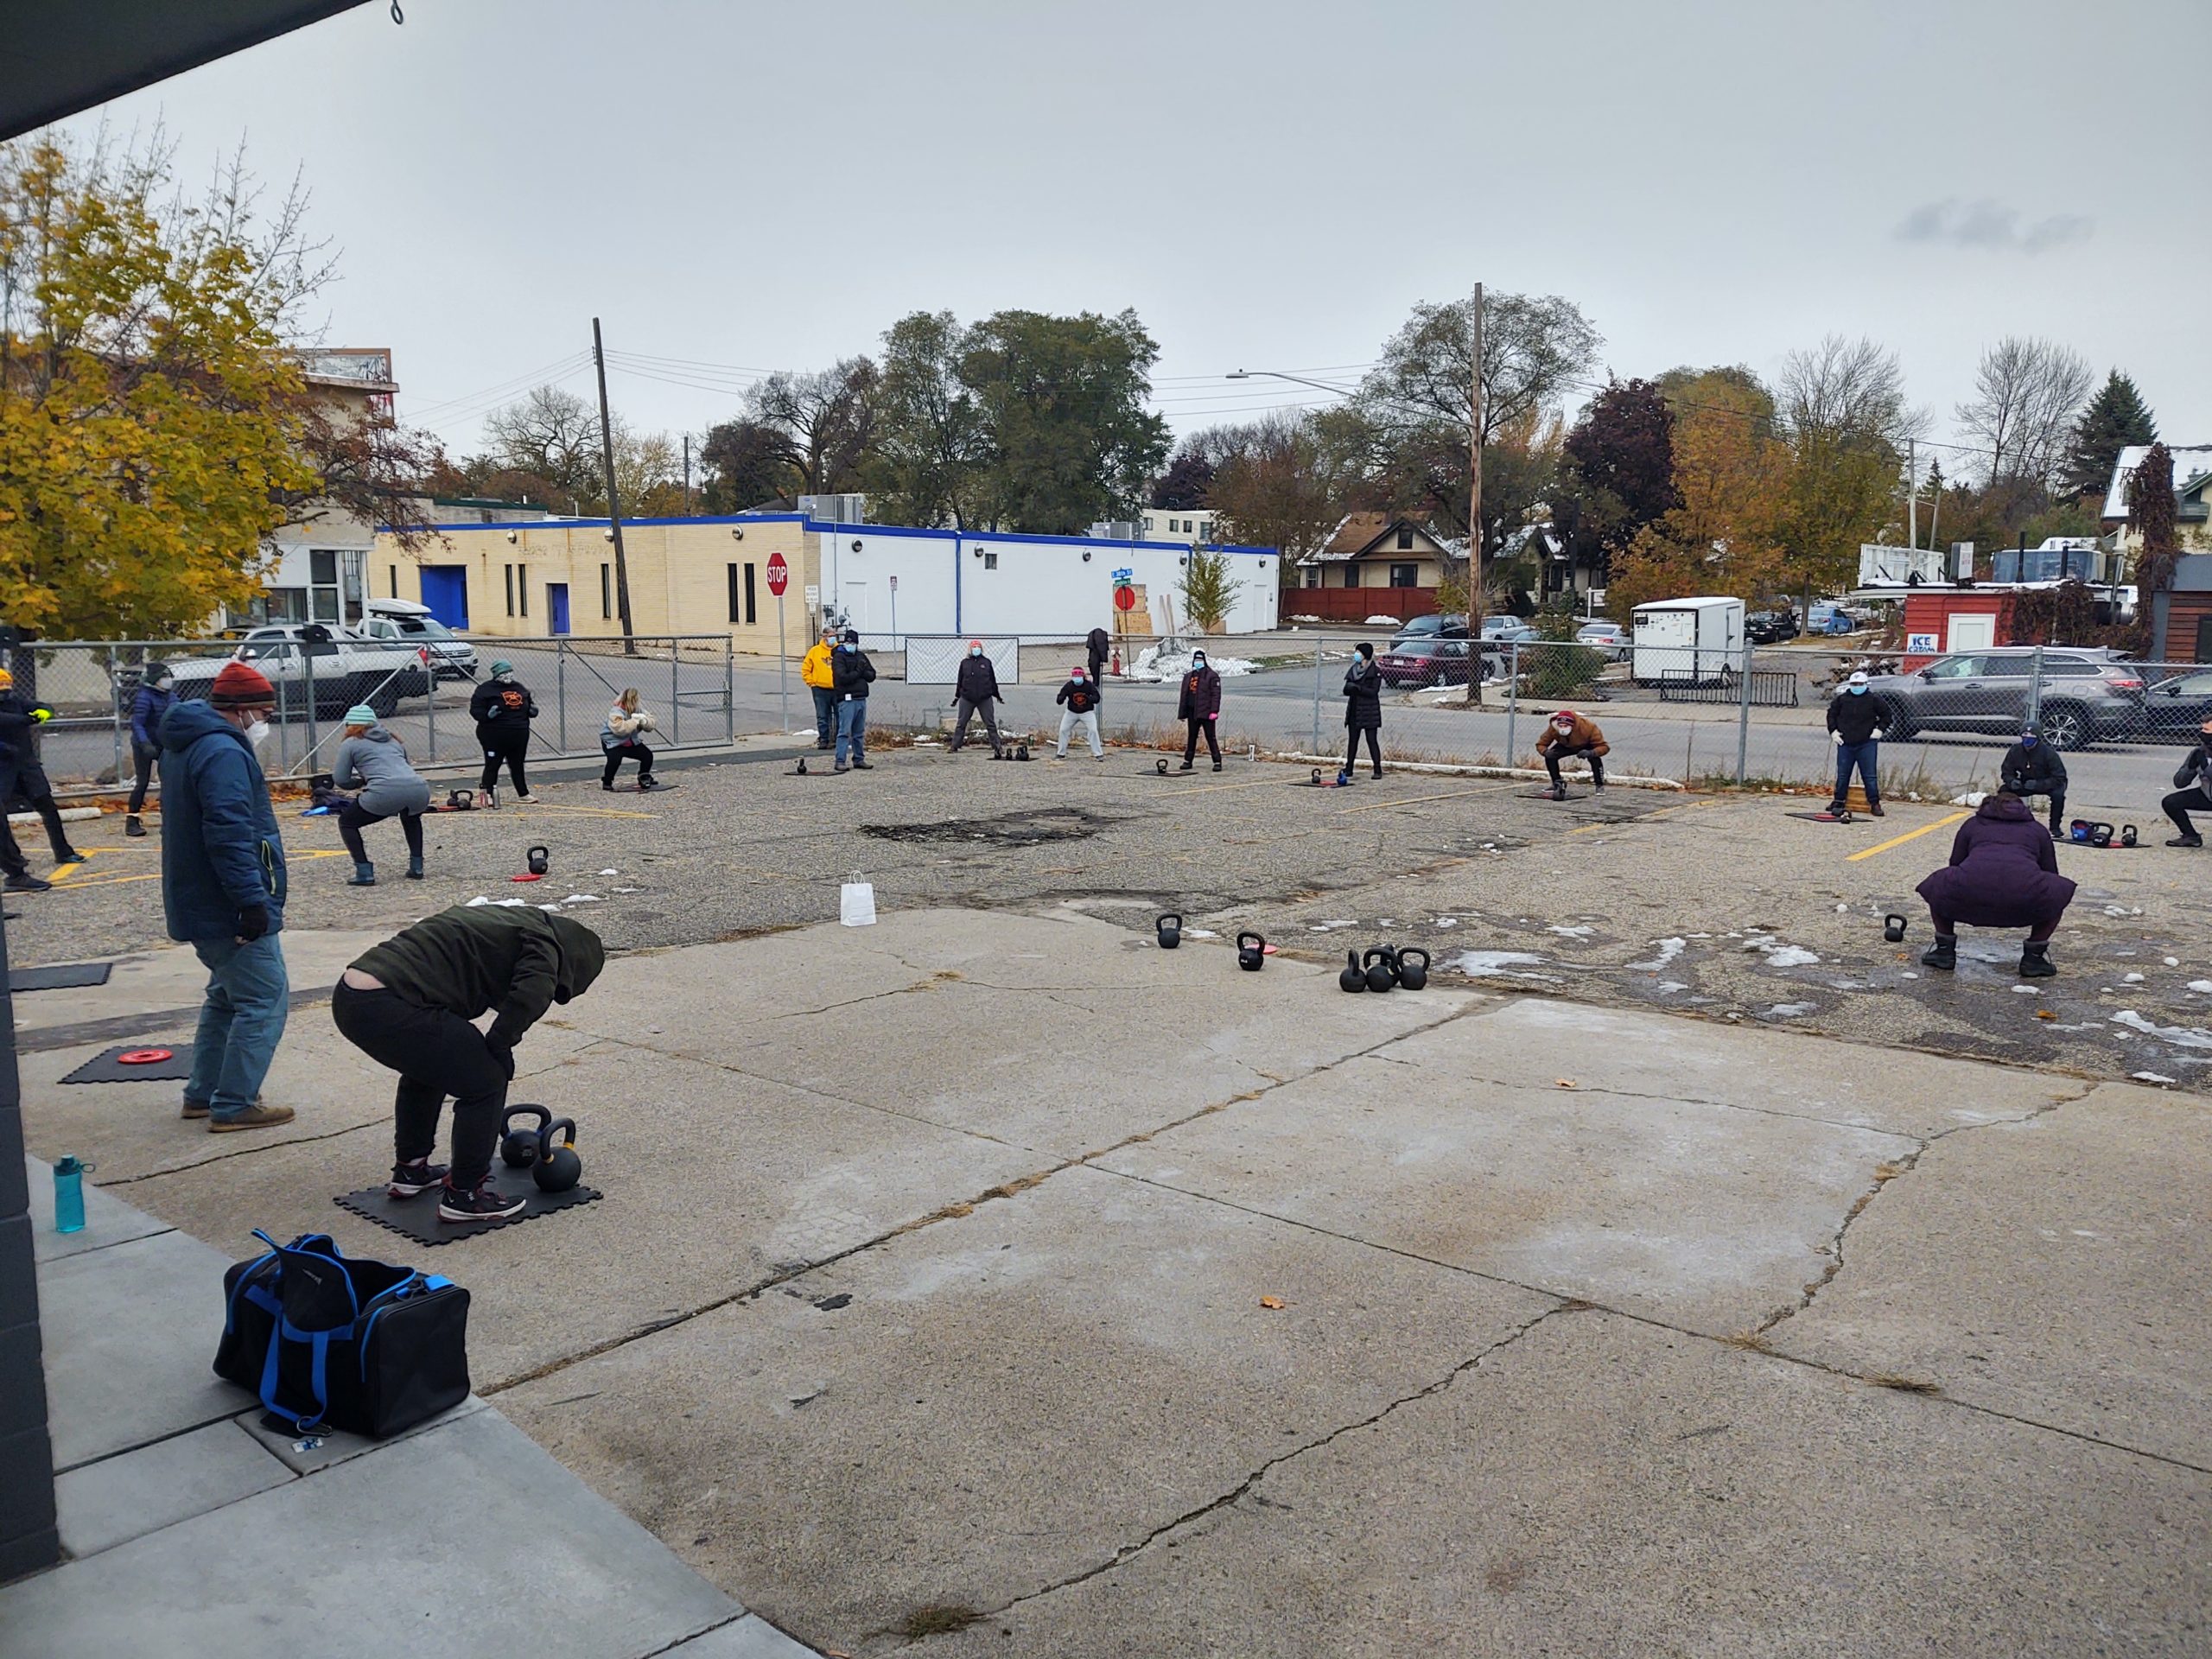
{"x":556,"y":604}
{"x":445,"y":590}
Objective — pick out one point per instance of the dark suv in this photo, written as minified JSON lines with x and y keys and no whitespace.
{"x":2090,"y":694}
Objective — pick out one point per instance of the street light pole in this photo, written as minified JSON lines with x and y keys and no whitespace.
{"x":1475,"y":516}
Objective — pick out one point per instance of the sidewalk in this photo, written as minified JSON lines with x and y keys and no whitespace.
{"x":192,"y":1530}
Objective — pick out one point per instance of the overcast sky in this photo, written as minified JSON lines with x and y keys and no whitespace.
{"x":734,"y":188}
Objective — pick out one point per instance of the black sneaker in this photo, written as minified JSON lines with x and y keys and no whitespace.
{"x":2178,"y":841}
{"x":644,"y":784}
{"x":407,"y":1179}
{"x":1217,"y":765}
{"x":68,"y":855}
{"x":863,"y":765}
{"x":486,"y":1203}
{"x":24,"y":881}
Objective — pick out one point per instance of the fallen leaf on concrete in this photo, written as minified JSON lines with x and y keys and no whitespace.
{"x":1565,"y":1083}
{"x":1273,"y":1301}
{"x":2045,"y":1013}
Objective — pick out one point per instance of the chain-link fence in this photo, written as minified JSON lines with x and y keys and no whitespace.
{"x":688,"y":682}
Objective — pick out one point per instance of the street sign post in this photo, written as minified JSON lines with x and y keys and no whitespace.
{"x":779,"y":577}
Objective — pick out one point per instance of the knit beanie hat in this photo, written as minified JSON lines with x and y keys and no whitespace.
{"x":241,"y":685}
{"x":360,"y":714}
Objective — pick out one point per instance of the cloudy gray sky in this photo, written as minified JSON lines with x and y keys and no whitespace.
{"x":1272,"y":184}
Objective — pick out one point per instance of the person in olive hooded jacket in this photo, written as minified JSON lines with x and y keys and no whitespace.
{"x":407,"y":1005}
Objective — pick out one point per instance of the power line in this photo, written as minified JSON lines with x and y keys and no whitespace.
{"x":502,"y":387}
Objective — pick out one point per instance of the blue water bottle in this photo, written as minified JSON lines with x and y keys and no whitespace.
{"x":69,"y":1196}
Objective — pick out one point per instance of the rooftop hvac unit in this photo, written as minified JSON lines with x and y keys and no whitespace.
{"x":835,"y":509}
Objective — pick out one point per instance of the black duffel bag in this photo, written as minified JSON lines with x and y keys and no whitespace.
{"x":325,"y":1342}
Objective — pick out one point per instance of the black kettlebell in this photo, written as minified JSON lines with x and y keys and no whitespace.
{"x":461,"y":800}
{"x":519,"y":1147}
{"x":2100,"y":835}
{"x":1382,"y":964}
{"x":2127,"y":835}
{"x":557,"y":1169}
{"x":541,"y":859}
{"x":1171,"y":931}
{"x":1160,"y":765}
{"x":1893,"y":928}
{"x":1413,"y":975}
{"x":799,"y":771}
{"x":1021,"y":751}
{"x":1350,"y":978}
{"x":1251,"y":952}
{"x":1316,"y":777}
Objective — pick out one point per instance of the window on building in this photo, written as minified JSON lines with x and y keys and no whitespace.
{"x":1313,"y":576}
{"x":1351,"y":575}
{"x":522,"y":588}
{"x":731,"y":578}
{"x":1401,"y":576}
{"x":751,"y":610}
{"x":392,"y":571}
{"x":1405,"y":542}
{"x":606,"y":592}
{"x":509,"y":571}
{"x":990,"y":560}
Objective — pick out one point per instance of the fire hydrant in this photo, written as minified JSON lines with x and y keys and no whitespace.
{"x":1115,"y":665}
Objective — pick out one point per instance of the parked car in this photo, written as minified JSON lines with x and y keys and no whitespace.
{"x":2174,"y":708}
{"x":402,"y":622}
{"x":1770,"y":627}
{"x":1507,"y":629}
{"x":1430,"y":627}
{"x":345,"y":669}
{"x":2089,"y":695}
{"x":1429,"y":661}
{"x":1829,"y":617}
{"x":1609,"y":637}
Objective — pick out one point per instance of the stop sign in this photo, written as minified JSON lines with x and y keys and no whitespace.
{"x":779,"y":575}
{"x":1125,"y":599}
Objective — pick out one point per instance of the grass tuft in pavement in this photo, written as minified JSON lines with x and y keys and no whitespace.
{"x":936,"y":1619}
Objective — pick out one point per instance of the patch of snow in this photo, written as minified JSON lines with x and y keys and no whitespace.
{"x":1382,"y":621}
{"x":1576,"y":931}
{"x":2173,"y":962}
{"x":481,"y":899}
{"x":2201,"y":986}
{"x":2179,"y":1036}
{"x":2151,"y":1077}
{"x":1150,"y":665}
{"x":583,"y":898}
{"x":1668,"y":950}
{"x":1842,"y":909}
{"x":1908,"y":975}
{"x":1454,"y":921}
{"x":629,"y":889}
{"x":1201,"y":933}
{"x":1972,"y":798}
{"x":610,"y":872}
{"x":1790,"y":1010}
{"x":1477,"y":963}
{"x":1670,"y":986}
{"x":2131,"y":979}
{"x":2024,"y":991}
{"x":1779,"y":953}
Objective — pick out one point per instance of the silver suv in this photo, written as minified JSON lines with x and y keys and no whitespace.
{"x":2088,"y":695}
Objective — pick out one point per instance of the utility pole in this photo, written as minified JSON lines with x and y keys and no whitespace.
{"x":1475,"y":517}
{"x":687,"y":474}
{"x":613,"y":504}
{"x":1912,"y":493}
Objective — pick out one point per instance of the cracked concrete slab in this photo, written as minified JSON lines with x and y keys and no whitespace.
{"x":1532,"y":1041}
{"x":2053,"y":1270}
{"x":1704,"y":1215}
{"x":1602,"y":1486}
{"x":1007,"y":1398}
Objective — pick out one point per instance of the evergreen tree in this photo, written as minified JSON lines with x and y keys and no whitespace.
{"x":2115,"y":417}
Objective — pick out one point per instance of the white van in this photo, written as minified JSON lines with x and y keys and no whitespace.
{"x":404,"y":622}
{"x":1686,"y":641}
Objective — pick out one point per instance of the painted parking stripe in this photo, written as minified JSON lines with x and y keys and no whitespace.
{"x":1910,"y":835}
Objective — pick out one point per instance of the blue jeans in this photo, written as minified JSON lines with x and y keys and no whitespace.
{"x":1863,"y":756}
{"x":852,"y":727}
{"x":825,"y":705}
{"x":240,"y":1023}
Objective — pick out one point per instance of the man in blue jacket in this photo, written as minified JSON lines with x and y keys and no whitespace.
{"x":223,"y":891}
{"x":148,"y":704}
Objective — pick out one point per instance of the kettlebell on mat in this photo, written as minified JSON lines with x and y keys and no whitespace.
{"x":519,"y":1147}
{"x":1350,"y":978}
{"x":540,"y":859}
{"x":1160,"y":765}
{"x":1413,"y":975}
{"x":1381,"y":963}
{"x":558,"y":1167}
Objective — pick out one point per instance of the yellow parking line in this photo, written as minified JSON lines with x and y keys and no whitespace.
{"x":1910,"y":835}
{"x":1208,"y":789}
{"x":1417,"y":800}
{"x":592,"y":812}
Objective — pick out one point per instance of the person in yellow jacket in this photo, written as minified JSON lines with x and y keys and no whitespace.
{"x":815,"y":671}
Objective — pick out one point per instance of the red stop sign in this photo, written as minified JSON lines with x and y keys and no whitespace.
{"x":1125,"y":599}
{"x":779,"y":575}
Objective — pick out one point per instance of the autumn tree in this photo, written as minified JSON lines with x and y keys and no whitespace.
{"x":1186,"y":482}
{"x":2116,"y":418}
{"x":931,"y":437}
{"x":2151,"y":505}
{"x":1277,"y":482}
{"x":1616,"y":473}
{"x":1842,"y":412}
{"x":1208,"y":590}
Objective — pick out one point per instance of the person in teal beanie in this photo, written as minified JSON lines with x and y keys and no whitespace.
{"x":374,"y":761}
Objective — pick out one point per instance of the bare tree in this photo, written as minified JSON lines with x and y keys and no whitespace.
{"x":1847,"y":390}
{"x":2027,"y":393}
{"x":1276,"y":484}
{"x":826,"y":418}
{"x":554,"y":435}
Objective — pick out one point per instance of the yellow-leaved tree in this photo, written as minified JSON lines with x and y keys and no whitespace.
{"x":153,"y":424}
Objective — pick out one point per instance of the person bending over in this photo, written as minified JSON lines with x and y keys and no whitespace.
{"x":1566,"y":735}
{"x":1200,"y":709}
{"x":1855,"y":720}
{"x":1363,"y":709}
{"x":2192,"y":791}
{"x":1079,"y":707}
{"x":503,"y":708}
{"x":2031,"y":766}
{"x":623,"y":738}
{"x":2003,"y":873}
{"x":407,"y":1005}
{"x":374,"y":761}
{"x":974,"y":689}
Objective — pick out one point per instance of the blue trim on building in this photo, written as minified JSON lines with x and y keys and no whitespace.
{"x":825,"y":527}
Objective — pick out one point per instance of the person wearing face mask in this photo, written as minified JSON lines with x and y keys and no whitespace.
{"x":1363,"y":709}
{"x":1200,"y":709}
{"x":20,"y":774}
{"x":1079,"y":707}
{"x":503,"y":708}
{"x":2031,"y":766}
{"x":222,"y":884}
{"x":2192,"y":791}
{"x":148,"y":704}
{"x":974,"y":689}
{"x":1567,"y":734}
{"x":854,"y":674}
{"x":1855,"y":723}
{"x":818,"y":669}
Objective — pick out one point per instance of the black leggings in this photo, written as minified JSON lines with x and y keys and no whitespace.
{"x":352,"y":820}
{"x":501,"y":744}
{"x":1374,"y":747}
{"x":1553,"y":756}
{"x":11,"y":856}
{"x":145,"y":758}
{"x":436,"y":1054}
{"x":2179,"y":804}
{"x":1190,"y":741}
{"x":1946,"y":928}
{"x":630,"y":750}
{"x":2057,"y":803}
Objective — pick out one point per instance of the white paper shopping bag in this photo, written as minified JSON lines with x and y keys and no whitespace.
{"x":856,"y":904}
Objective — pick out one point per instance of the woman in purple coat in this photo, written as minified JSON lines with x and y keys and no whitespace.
{"x":2003,"y":873}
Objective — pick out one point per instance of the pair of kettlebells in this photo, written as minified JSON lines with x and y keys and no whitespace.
{"x":1383,"y":968}
{"x":556,"y":1168}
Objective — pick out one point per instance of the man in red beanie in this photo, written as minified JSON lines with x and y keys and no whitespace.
{"x":223,"y":890}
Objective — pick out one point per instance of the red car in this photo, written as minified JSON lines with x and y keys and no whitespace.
{"x":1424,"y":661}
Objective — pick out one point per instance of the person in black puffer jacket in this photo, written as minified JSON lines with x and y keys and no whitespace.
{"x":2192,"y":791}
{"x":1855,"y":720}
{"x":1200,"y":709}
{"x":974,"y":689}
{"x":1363,"y":707}
{"x":851,"y":673}
{"x":503,"y":708}
{"x":2031,"y":766}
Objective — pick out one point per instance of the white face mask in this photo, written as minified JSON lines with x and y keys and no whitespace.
{"x":258,"y":733}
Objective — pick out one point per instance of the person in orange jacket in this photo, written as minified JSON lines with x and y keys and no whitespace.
{"x":816,"y":670}
{"x":1566,"y":735}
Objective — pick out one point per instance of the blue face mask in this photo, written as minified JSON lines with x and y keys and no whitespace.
{"x":2028,"y":740}
{"x":1858,"y":690}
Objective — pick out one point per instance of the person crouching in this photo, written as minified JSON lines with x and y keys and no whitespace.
{"x":1566,"y":735}
{"x":2003,"y":873}
{"x":407,"y":1005}
{"x":374,"y":761}
{"x":2192,"y":791}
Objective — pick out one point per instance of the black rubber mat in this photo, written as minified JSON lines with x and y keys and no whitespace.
{"x":60,"y":977}
{"x":107,"y":1067}
{"x":417,"y":1217}
{"x":1821,"y":817}
{"x":1546,"y":795}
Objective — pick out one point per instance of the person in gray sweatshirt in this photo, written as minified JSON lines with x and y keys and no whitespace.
{"x":372,"y":760}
